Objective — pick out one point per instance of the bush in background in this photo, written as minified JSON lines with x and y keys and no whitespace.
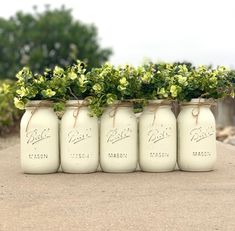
{"x":9,"y":115}
{"x":45,"y":39}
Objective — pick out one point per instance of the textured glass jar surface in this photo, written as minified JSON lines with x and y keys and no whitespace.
{"x":39,"y":140}
{"x":157,"y":139}
{"x":79,"y":141}
{"x":118,"y":140}
{"x":196,"y":138}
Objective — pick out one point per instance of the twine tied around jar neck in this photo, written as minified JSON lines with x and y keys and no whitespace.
{"x":113,"y":112}
{"x":155,"y":105}
{"x":78,"y":106}
{"x":35,"y":108}
{"x":197,"y":106}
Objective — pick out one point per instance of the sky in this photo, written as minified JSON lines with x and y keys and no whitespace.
{"x":199,"y":31}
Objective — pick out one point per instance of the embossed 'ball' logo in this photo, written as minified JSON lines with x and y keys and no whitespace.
{"x":116,"y":135}
{"x":75,"y":136}
{"x":37,"y":135}
{"x":201,"y":133}
{"x":159,"y":133}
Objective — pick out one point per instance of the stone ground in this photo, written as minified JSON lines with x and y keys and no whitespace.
{"x":100,"y":201}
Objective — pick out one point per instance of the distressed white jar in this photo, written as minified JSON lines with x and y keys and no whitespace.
{"x":79,"y":139}
{"x":196,"y":136}
{"x":118,"y":139}
{"x":39,"y":139}
{"x":157,"y":137}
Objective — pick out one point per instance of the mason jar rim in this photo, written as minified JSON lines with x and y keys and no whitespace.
{"x":197,"y":101}
{"x":39,"y":103}
{"x":121,"y":103}
{"x":160,"y":101}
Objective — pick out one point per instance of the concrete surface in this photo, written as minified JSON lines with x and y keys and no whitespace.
{"x":101,"y":201}
{"x":9,"y":140}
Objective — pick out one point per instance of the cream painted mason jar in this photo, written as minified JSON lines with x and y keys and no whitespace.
{"x":79,"y":139}
{"x":118,"y":139}
{"x":39,"y":130}
{"x":196,"y":136}
{"x":157,"y":137}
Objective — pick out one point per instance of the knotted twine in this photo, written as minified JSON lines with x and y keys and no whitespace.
{"x":197,"y":108}
{"x":35,"y":107}
{"x":78,"y":106}
{"x":155,"y":105}
{"x":113,"y":112}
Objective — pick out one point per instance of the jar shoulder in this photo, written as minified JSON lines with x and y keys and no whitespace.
{"x":39,"y":118}
{"x":81,"y":113}
{"x":125,"y":113}
{"x":82,"y":116}
{"x":160,"y":115}
{"x":204,"y":114}
{"x":40,"y":114}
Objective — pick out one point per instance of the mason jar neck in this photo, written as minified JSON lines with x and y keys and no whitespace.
{"x":120,"y":108}
{"x":121,"y":104}
{"x":76,"y":104}
{"x":197,"y":102}
{"x":158,"y":103}
{"x":40,"y":104}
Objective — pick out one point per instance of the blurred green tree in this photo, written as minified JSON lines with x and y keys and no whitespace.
{"x":187,"y":64}
{"x":52,"y":37}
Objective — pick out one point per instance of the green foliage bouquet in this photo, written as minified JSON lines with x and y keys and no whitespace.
{"x":57,"y":85}
{"x":102,"y":87}
{"x":158,"y":81}
{"x":206,"y":82}
{"x":110,"y":84}
{"x":35,"y":86}
{"x":184,"y":82}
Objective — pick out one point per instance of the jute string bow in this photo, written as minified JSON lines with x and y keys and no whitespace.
{"x":78,"y":106}
{"x":113,"y":112}
{"x":35,"y":108}
{"x":155,"y":105}
{"x":197,"y":107}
